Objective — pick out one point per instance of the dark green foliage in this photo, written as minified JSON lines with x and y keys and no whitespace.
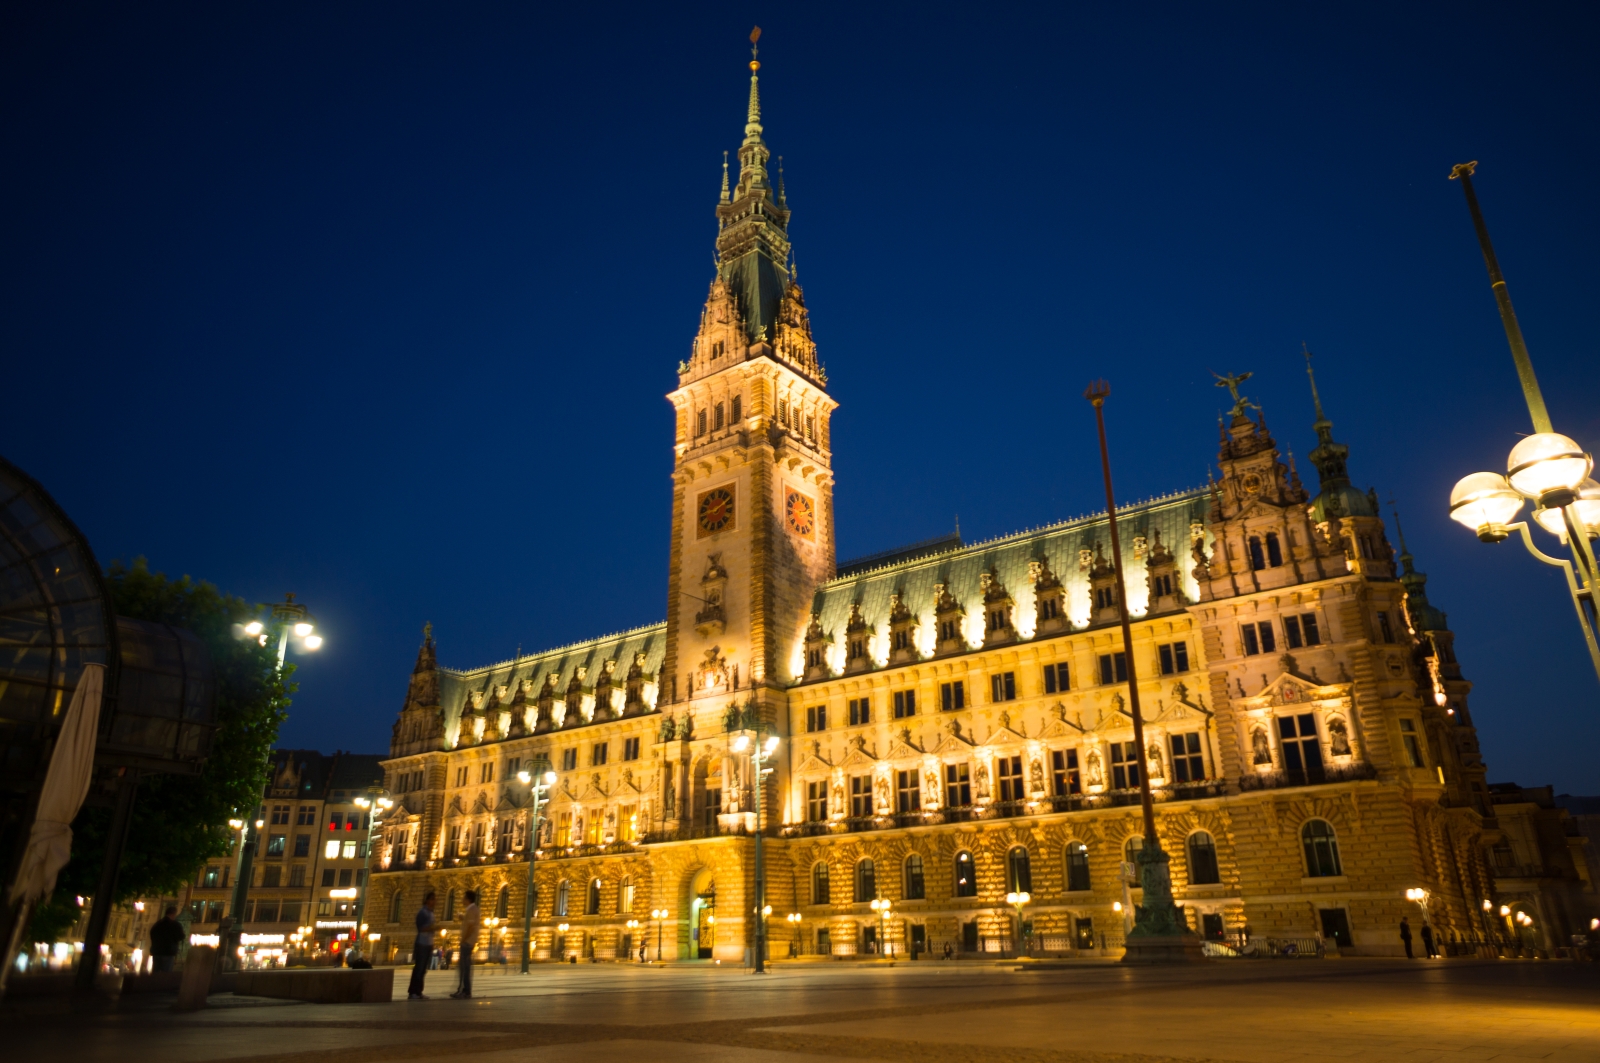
{"x":180,"y":821}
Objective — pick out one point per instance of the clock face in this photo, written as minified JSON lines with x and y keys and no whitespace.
{"x":716,"y":510}
{"x":801,"y":514}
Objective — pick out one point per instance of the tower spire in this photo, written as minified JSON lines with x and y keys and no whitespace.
{"x":1323,"y":426}
{"x":752,"y":129}
{"x":724,"y":177}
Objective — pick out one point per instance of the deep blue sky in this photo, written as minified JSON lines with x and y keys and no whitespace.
{"x":378,"y":303}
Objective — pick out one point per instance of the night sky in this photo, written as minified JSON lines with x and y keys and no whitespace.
{"x":378,"y":303}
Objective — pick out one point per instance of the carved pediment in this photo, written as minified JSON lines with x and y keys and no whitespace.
{"x":1059,"y":725}
{"x":1291,"y":688}
{"x":629,"y":784}
{"x":814,"y":760}
{"x":593,"y":790}
{"x":481,"y":803}
{"x":903,"y":746}
{"x":952,"y":739}
{"x":858,"y":756}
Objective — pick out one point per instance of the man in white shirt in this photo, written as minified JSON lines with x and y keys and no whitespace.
{"x":471,"y":924}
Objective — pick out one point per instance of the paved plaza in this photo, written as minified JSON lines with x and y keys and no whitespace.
{"x":1253,"y":1012}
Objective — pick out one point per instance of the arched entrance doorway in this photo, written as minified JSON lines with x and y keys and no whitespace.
{"x":702,"y":908}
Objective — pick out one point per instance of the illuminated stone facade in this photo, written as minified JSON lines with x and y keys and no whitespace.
{"x":953,"y":718}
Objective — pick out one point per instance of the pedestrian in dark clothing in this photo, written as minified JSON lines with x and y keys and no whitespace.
{"x":1427,"y":941}
{"x":166,"y":934}
{"x":471,"y":925}
{"x":421,"y":949}
{"x":1405,"y":936}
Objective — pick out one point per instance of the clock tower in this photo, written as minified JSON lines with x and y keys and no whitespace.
{"x":752,"y":504}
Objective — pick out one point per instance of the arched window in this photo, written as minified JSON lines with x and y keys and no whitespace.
{"x":394,"y":906}
{"x":625,"y":896}
{"x":1130,"y":849}
{"x":966,"y":875}
{"x":1274,"y":551}
{"x":1203,"y":860}
{"x":913,"y":878}
{"x":819,"y":883}
{"x":1019,"y":877}
{"x":700,"y":423}
{"x":592,"y":903}
{"x":502,"y":903}
{"x":1322,"y":849}
{"x":1077,"y":866}
{"x":450,"y":906}
{"x":866,"y":880}
{"x":1258,"y":559}
{"x":738,"y":409}
{"x":563,"y":893}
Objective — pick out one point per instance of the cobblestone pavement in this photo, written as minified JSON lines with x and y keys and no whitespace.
{"x":1304,"y":1011}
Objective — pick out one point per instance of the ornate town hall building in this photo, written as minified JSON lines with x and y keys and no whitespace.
{"x":953,"y":718}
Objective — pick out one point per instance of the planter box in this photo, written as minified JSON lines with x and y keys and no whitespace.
{"x":335,"y":985}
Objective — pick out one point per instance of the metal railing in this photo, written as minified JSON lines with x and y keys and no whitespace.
{"x":1284,"y":779}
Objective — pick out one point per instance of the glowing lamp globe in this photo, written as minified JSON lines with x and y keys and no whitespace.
{"x":1483,"y":502}
{"x":1549,"y":467}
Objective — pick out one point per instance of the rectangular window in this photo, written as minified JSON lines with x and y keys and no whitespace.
{"x":599,"y":753}
{"x":908,"y":791}
{"x":1408,"y":735}
{"x":486,"y":773}
{"x":713,"y":805}
{"x":1291,"y":632}
{"x":817,"y":801}
{"x":346,"y":876}
{"x":953,"y":695}
{"x":1104,"y":598}
{"x":1008,"y":770}
{"x":957,"y":786}
{"x":817,"y":718}
{"x":628,"y":827}
{"x":1257,"y":638}
{"x":783,"y":412}
{"x":563,"y":829}
{"x":1113,"y":668}
{"x":1050,"y":608}
{"x":306,"y":816}
{"x":860,"y":796}
{"x":461,"y":775}
{"x":507,"y":825}
{"x":1308,"y":623}
{"x":630,"y":749}
{"x":272,"y":876}
{"x":212,"y":879}
{"x":347,"y":850}
{"x":297,"y":875}
{"x":1174,"y":657}
{"x":336,"y":821}
{"x":1056,"y":679}
{"x":1297,"y":735}
{"x":860,"y":711}
{"x":280,"y":815}
{"x":569,"y":760}
{"x":716,"y":417}
{"x":1187,"y":763}
{"x":811,"y":427}
{"x":905,"y":704}
{"x":738,"y":408}
{"x":700,"y":423}
{"x":1064,"y":769}
{"x":1003,"y":687}
{"x":302,"y":845}
{"x":327,"y":876}
{"x":1385,"y":630}
{"x":1124,"y":765}
{"x":276,"y":845}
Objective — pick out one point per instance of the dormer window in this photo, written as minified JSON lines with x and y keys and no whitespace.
{"x":1161,"y":585}
{"x":1050,"y":609}
{"x":717,"y":349}
{"x":1104,"y":597}
{"x":949,"y":630}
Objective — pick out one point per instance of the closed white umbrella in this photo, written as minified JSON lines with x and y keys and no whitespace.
{"x":66,"y":784}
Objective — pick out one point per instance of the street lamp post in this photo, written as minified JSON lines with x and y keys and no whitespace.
{"x":760,"y":750}
{"x":376,"y":803}
{"x":529,"y":847}
{"x":793,"y":919}
{"x":291,"y":618}
{"x":1017,"y":900}
{"x":658,"y":914}
{"x":633,"y":924}
{"x":1158,"y":916}
{"x":1547,"y":468}
{"x":882,"y":905}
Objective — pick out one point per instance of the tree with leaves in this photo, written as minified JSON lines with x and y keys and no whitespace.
{"x":181,"y":821}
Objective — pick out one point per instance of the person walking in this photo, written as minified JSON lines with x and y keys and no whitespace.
{"x":471,"y":924}
{"x":1427,"y":941}
{"x":1405,"y":936}
{"x":422,"y":949}
{"x":166,"y":934}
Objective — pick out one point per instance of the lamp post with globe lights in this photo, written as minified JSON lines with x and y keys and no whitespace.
{"x":658,"y":914}
{"x":530,"y":847}
{"x":882,"y":906}
{"x":1018,"y":900}
{"x":1546,"y":468}
{"x":376,"y":804}
{"x":761,"y":749}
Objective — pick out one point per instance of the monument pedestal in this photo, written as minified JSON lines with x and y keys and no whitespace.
{"x":1164,"y":948}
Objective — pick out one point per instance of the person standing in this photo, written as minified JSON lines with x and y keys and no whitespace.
{"x":1405,"y":936}
{"x":166,"y":934}
{"x":471,"y":924}
{"x":1427,"y":941}
{"x":421,"y":949}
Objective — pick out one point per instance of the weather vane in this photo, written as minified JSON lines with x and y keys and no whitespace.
{"x":755,"y":35}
